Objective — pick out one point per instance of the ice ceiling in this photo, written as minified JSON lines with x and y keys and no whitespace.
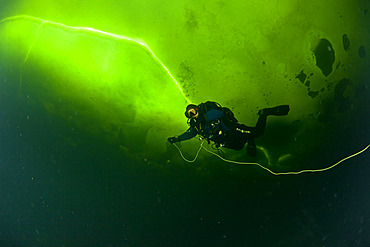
{"x":102,"y":66}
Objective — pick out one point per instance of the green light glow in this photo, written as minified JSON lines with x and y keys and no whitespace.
{"x":95,"y":81}
{"x":94,"y":31}
{"x":246,"y":55}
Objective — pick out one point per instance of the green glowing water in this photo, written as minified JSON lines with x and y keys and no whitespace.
{"x":125,"y":72}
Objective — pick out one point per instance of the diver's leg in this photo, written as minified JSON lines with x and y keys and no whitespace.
{"x":253,"y":132}
{"x":260,"y":126}
{"x":256,"y":132}
{"x":235,"y":140}
{"x":251,"y":148}
{"x":280,"y":110}
{"x":259,"y":129}
{"x":248,"y":134}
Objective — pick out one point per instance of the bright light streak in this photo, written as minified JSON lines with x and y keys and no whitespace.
{"x":93,"y":31}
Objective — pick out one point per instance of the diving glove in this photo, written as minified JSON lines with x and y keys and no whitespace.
{"x":173,"y":139}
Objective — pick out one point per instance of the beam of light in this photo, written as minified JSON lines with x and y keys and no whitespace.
{"x":28,"y":54}
{"x":96,"y":32}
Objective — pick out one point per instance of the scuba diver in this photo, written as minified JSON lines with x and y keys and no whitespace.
{"x":217,"y":124}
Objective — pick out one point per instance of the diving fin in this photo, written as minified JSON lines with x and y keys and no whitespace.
{"x":280,"y":110}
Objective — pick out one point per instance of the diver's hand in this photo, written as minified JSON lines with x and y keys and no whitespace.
{"x":173,"y":139}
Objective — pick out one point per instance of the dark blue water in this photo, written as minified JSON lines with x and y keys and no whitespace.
{"x":84,"y":192}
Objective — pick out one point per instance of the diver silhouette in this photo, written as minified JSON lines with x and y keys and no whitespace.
{"x":218,"y":124}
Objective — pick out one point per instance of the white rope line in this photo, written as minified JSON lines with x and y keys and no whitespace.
{"x":272,"y":172}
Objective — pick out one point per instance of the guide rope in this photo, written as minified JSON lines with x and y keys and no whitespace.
{"x":265,"y":168}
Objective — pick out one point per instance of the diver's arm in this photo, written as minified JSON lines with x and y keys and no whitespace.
{"x":190,"y":133}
